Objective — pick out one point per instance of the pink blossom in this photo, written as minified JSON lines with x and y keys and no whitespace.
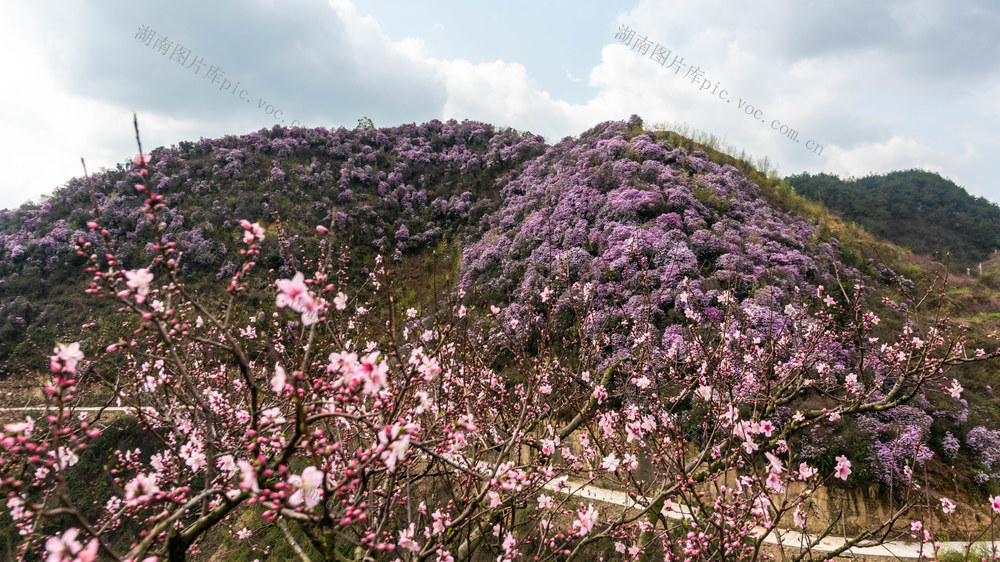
{"x":545,"y":502}
{"x":24,"y":427}
{"x":227,"y":464}
{"x":774,"y":483}
{"x":955,"y":390}
{"x":308,"y":487}
{"x":65,"y":457}
{"x":731,"y":415}
{"x":631,"y":461}
{"x":294,"y":294}
{"x":509,"y":544}
{"x":549,"y":447}
{"x":947,"y":506}
{"x":704,"y":392}
{"x":243,"y":534}
{"x":279,"y":378}
{"x":310,"y":311}
{"x":775,"y":466}
{"x":423,"y":402}
{"x":585,"y":520}
{"x":494,"y":498}
{"x":375,"y":373}
{"x":766,"y":427}
{"x":340,"y":301}
{"x":16,"y":507}
{"x":799,"y":518}
{"x":141,"y":159}
{"x":745,"y":430}
{"x":196,"y":460}
{"x":440,"y":522}
{"x":65,"y":548}
{"x":611,"y":463}
{"x":138,"y":280}
{"x":466,"y":422}
{"x":251,"y":231}
{"x":345,"y":362}
{"x":141,"y":488}
{"x":271,"y":416}
{"x":248,"y":476}
{"x":406,"y":539}
{"x":600,"y":393}
{"x":843,"y":469}
{"x":396,"y":441}
{"x":761,"y":509}
{"x":66,"y":357}
{"x":995,"y":503}
{"x":89,"y":554}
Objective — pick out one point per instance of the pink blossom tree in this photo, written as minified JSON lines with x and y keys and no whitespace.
{"x":378,"y":433}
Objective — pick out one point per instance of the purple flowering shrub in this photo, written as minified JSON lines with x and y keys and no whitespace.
{"x":400,"y":189}
{"x":897,"y":444}
{"x":634,"y":218}
{"x":950,"y":445}
{"x":985,"y":446}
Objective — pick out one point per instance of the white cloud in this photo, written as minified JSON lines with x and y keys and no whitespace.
{"x":48,"y":129}
{"x":897,"y":153}
{"x":875,"y":101}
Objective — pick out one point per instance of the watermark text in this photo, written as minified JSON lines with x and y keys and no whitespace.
{"x":175,"y":52}
{"x":671,"y":61}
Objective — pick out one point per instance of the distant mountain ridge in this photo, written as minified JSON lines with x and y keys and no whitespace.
{"x":916,"y":209}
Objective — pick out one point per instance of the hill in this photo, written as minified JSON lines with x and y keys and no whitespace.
{"x":605,"y":205}
{"x":397,"y":190}
{"x":915,"y":209}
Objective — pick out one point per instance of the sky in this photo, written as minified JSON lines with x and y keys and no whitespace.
{"x":849,"y":88}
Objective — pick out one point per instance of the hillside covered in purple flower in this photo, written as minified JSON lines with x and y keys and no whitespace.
{"x":396,"y":190}
{"x":642,"y":223}
{"x":652,"y":236}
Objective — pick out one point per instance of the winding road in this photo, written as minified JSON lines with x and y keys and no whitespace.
{"x":891,"y":550}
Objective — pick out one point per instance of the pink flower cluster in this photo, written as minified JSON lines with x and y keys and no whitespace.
{"x":366,"y":373}
{"x":294,"y":294}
